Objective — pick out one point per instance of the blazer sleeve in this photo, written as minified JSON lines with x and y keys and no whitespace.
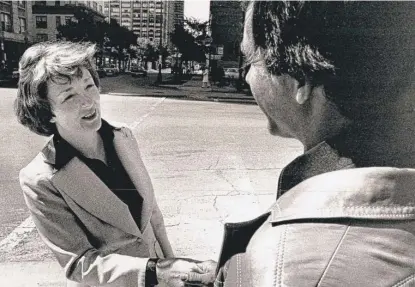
{"x":64,"y":234}
{"x":157,"y":221}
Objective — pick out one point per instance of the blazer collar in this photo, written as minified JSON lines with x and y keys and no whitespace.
{"x":58,"y":152}
{"x":93,"y":195}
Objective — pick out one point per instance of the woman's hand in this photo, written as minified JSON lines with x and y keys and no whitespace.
{"x":180,"y":272}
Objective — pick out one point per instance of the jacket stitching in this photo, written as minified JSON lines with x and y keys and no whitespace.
{"x":238,"y":266}
{"x":280,"y":260}
{"x":409,"y":279}
{"x":333,"y":256}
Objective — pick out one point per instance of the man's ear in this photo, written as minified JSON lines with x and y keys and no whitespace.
{"x":52,"y":119}
{"x":303,"y":93}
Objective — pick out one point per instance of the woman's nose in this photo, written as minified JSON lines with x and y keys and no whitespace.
{"x":86,"y":100}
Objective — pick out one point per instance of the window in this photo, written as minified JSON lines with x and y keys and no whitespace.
{"x":57,"y":3}
{"x":95,"y":6}
{"x":125,"y":5}
{"x":58,"y":21}
{"x":41,"y":22}
{"x":6,"y":23}
{"x":41,"y":3}
{"x":22,"y":25}
{"x":41,"y":37}
{"x":68,"y":20}
{"x":100,"y":8}
{"x":21,"y":4}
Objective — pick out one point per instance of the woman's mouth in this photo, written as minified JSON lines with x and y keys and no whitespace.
{"x":91,"y":115}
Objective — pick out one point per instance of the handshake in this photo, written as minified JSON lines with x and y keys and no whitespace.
{"x":178,"y":272}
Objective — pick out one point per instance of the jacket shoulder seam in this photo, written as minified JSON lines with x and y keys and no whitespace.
{"x":326,"y":269}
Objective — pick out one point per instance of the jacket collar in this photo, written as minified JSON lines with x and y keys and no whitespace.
{"x":93,"y":195}
{"x":361,"y":193}
{"x":58,"y":152}
{"x":326,"y":156}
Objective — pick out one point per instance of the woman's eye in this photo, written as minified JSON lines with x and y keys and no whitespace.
{"x":89,"y":86}
{"x":69,"y":97}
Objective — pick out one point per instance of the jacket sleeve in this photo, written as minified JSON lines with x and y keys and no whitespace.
{"x":64,"y":234}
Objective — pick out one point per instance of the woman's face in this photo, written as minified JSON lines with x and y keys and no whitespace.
{"x":75,"y":105}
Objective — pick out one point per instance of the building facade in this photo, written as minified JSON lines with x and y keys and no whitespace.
{"x":15,"y":34}
{"x":49,"y":15}
{"x":149,"y":19}
{"x":227,"y":27}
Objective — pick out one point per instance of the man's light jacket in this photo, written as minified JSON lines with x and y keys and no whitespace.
{"x":345,"y":227}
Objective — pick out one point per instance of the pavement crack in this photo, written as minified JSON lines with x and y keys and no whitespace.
{"x":221,"y":175}
{"x":212,"y":166}
{"x":221,"y":220}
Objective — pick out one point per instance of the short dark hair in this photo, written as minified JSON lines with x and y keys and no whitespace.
{"x":40,"y":63}
{"x":363,"y":52}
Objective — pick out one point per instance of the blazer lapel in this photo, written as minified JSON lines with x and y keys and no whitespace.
{"x":87,"y":190}
{"x":128,"y":153}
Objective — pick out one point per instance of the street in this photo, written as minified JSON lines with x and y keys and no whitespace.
{"x":210,"y":163}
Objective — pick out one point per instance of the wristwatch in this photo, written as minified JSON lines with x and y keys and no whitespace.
{"x":151,"y":273}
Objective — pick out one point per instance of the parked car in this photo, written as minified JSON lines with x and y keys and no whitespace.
{"x":138,"y":72}
{"x":111,"y":71}
{"x":101,"y":72}
{"x":231,"y":73}
{"x":15,"y":75}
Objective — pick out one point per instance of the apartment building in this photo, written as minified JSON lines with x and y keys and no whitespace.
{"x":15,"y":34}
{"x":150,"y":19}
{"x":49,"y":15}
{"x":227,"y":27}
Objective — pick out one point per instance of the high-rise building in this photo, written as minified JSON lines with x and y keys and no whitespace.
{"x":15,"y":32}
{"x":149,"y":19}
{"x":227,"y":27}
{"x":49,"y":15}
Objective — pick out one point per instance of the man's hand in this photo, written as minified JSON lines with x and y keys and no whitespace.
{"x":205,"y":275}
{"x":174,"y":272}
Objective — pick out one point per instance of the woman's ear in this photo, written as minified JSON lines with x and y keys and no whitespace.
{"x":304,"y":93}
{"x":52,"y":119}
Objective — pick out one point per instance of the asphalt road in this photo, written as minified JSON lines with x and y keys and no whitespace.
{"x":199,"y":155}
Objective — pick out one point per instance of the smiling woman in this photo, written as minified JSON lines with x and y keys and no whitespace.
{"x":88,"y":191}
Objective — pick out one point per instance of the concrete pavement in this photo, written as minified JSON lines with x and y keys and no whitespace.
{"x":210,"y":163}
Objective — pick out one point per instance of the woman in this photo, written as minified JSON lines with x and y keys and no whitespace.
{"x":88,"y":191}
{"x":205,"y":79}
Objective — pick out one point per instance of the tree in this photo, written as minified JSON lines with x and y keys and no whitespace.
{"x":108,"y":36}
{"x":187,"y":45}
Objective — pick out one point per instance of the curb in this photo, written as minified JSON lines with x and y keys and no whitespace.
{"x":237,"y":100}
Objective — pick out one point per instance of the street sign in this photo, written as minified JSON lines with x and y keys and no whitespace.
{"x":220,"y":50}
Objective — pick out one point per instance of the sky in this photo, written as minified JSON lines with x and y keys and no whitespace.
{"x":198,"y":9}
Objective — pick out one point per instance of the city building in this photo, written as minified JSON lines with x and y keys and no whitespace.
{"x":49,"y":15}
{"x":15,"y":33}
{"x":227,"y":28}
{"x":153,"y":20}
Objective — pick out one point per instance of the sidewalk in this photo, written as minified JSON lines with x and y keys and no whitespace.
{"x":189,"y":90}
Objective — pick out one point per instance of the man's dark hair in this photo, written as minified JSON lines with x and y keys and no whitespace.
{"x":363,"y":52}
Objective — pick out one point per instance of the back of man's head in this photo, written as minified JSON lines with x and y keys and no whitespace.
{"x":363,"y":52}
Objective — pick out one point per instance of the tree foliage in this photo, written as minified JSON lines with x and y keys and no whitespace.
{"x":190,"y":38}
{"x":85,"y":27}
